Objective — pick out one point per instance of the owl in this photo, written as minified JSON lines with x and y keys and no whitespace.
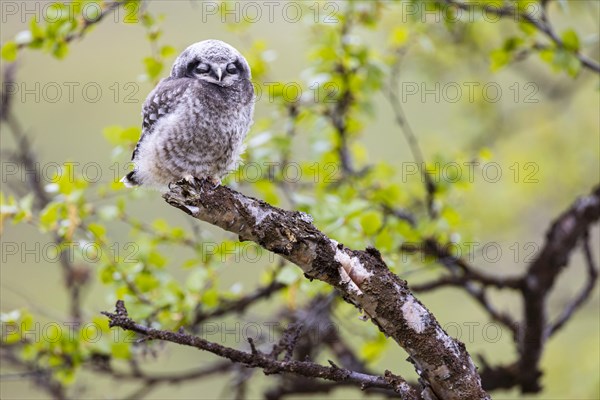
{"x":195,"y":121}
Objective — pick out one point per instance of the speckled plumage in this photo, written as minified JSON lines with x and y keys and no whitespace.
{"x":195,"y":121}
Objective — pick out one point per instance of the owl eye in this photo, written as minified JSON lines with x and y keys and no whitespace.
{"x":202,"y":68}
{"x":231,"y":69}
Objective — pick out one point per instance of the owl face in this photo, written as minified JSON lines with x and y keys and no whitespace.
{"x":212,"y":61}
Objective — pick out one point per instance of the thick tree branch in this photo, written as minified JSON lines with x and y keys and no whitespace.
{"x":362,"y":277}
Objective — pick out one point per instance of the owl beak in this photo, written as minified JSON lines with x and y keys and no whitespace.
{"x":219,"y":73}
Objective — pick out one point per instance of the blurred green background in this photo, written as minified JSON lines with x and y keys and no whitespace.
{"x":552,"y":122}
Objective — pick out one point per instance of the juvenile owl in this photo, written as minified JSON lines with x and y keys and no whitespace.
{"x":195,"y":121}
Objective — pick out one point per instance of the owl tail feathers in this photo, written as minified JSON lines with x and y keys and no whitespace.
{"x":130,"y":180}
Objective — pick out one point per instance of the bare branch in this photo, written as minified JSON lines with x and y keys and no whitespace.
{"x":257,"y":359}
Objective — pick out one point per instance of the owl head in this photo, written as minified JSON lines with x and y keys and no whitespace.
{"x":212,"y":61}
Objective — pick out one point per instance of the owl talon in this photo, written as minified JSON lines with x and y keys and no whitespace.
{"x":216,"y":183}
{"x":189,"y":179}
{"x":170,"y":185}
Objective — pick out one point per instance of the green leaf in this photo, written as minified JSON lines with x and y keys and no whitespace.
{"x":148,"y":20}
{"x":384,"y":241}
{"x":527,"y":28}
{"x":9,"y":51}
{"x":451,"y":216}
{"x":370,"y":222}
{"x":485,"y":154}
{"x":567,"y":61}
{"x":146,"y":282}
{"x":120,"y":350}
{"x":113,"y":134}
{"x":101,"y":323}
{"x":160,"y":225}
{"x":153,"y":67}
{"x":398,"y":36}
{"x":36,"y":30}
{"x":167,"y":51}
{"x":156,"y":259}
{"x":97,"y":230}
{"x":499,"y":58}
{"x":268,"y":191}
{"x":119,"y":136}
{"x":131,"y":134}
{"x":512,"y":43}
{"x":547,"y":55}
{"x":373,"y":349}
{"x":210,"y":297}
{"x":570,"y":40}
{"x":60,"y":50}
{"x":24,"y":206}
{"x":107,"y":274}
{"x":49,"y":216}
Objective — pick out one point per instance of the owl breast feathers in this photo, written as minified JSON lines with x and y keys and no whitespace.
{"x":195,"y":121}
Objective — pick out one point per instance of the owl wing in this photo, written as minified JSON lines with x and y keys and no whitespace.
{"x":162,"y":101}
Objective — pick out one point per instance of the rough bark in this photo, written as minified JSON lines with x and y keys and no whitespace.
{"x":445,"y":367}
